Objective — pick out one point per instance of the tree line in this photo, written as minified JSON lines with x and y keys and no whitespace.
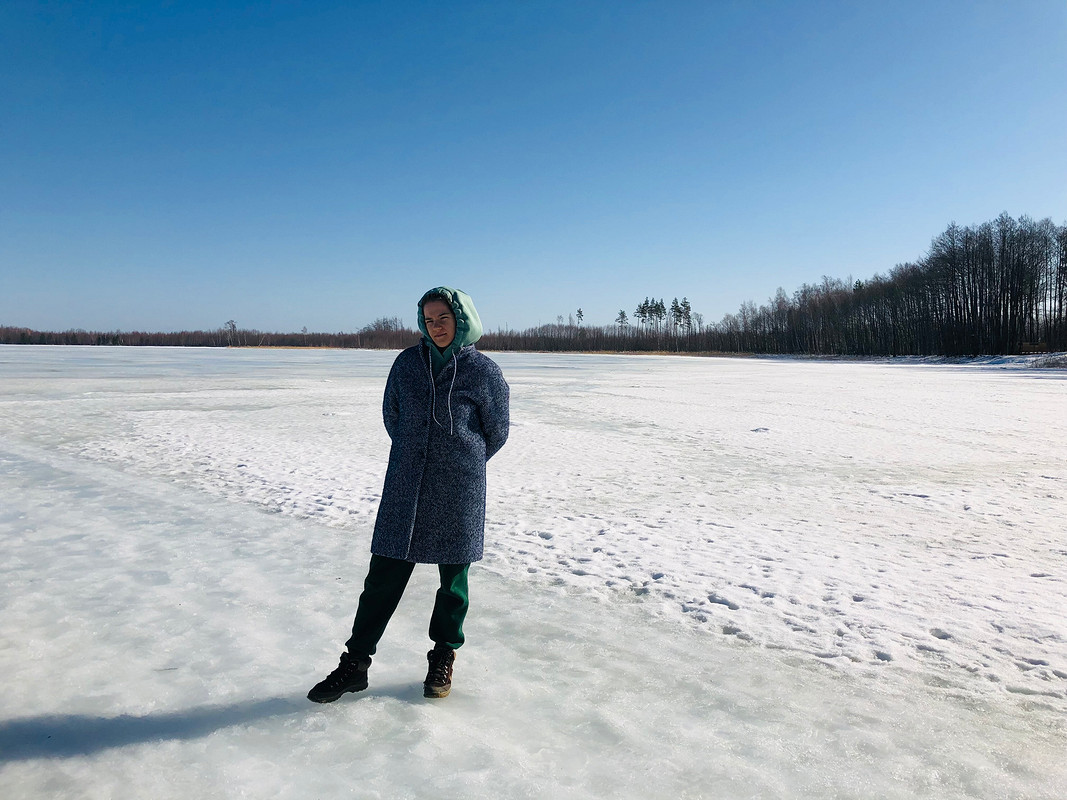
{"x":382,"y":334}
{"x":997,"y":288}
{"x":990,"y":289}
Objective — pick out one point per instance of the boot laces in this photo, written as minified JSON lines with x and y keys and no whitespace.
{"x":344,"y":672}
{"x":440,"y":666}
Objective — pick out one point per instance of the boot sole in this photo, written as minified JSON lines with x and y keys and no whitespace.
{"x":435,"y":693}
{"x":338,"y":696}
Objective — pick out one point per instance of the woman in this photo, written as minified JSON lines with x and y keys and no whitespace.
{"x":446,"y":412}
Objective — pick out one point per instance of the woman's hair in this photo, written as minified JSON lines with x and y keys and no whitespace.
{"x":431,"y":296}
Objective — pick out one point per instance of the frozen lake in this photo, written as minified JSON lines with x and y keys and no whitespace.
{"x":703,"y":578}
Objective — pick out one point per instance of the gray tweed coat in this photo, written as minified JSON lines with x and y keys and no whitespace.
{"x":443,"y":431}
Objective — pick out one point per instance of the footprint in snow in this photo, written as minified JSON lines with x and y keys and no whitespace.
{"x":1035,"y":662}
{"x":722,"y":601}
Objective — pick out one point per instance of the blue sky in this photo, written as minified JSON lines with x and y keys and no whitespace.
{"x":174,"y":165}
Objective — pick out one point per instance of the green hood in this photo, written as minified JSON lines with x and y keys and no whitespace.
{"x":468,"y":324}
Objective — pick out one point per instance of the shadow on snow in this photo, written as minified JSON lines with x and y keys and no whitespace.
{"x":72,"y":735}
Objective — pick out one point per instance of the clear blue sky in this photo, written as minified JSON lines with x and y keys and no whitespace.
{"x":170,"y":165}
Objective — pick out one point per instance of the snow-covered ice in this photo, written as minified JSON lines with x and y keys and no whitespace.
{"x":720,"y":578}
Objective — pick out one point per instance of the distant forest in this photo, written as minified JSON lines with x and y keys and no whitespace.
{"x":997,"y":288}
{"x":382,"y":334}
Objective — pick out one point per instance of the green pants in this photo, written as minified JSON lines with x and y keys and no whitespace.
{"x":386,"y":580}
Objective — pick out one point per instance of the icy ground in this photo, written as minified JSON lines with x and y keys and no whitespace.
{"x":713,"y":578}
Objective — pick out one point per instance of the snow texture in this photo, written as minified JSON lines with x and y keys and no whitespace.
{"x":728,"y":578}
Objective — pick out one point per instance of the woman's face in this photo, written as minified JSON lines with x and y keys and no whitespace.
{"x":440,"y":322}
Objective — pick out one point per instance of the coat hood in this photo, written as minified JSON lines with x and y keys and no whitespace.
{"x":468,"y":323}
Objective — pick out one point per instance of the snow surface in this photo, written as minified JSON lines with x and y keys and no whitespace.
{"x":720,"y":578}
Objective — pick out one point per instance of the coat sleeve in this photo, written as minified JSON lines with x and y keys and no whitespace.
{"x":391,"y":404}
{"x":496,"y":416}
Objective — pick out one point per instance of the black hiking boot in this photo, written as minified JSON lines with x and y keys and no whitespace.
{"x":350,"y":676}
{"x":438,"y":681}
